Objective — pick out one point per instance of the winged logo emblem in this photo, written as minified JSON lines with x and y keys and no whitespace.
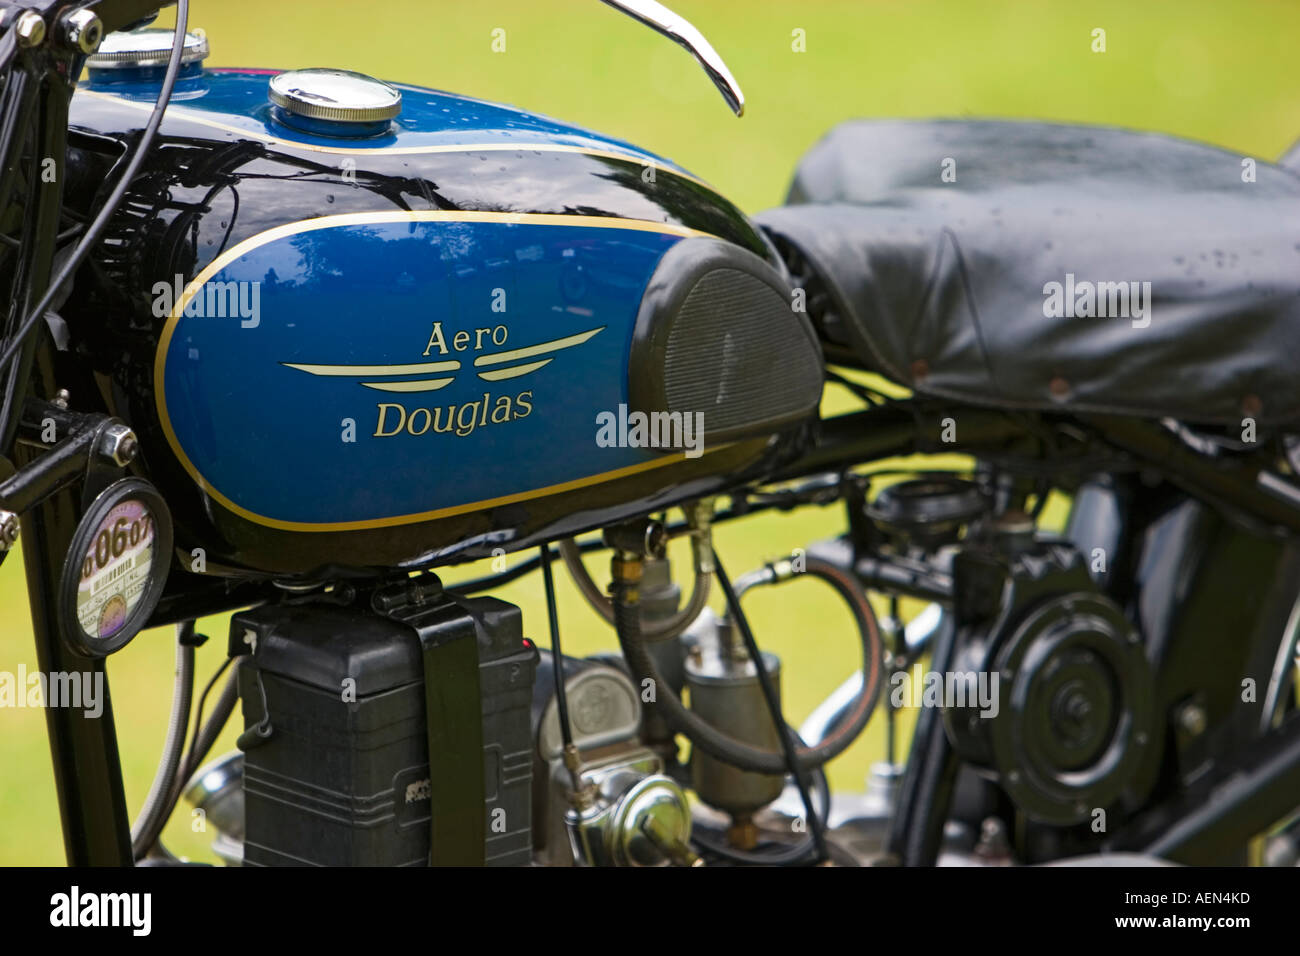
{"x":431,"y":376}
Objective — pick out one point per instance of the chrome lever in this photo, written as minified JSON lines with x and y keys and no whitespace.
{"x":662,"y":20}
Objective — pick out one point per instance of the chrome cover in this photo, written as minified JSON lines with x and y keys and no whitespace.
{"x":337,"y":95}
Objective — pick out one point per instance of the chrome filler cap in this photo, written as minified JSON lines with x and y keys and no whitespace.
{"x":153,"y":47}
{"x":339,"y":96}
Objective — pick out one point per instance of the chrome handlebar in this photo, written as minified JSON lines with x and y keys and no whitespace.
{"x":678,"y":29}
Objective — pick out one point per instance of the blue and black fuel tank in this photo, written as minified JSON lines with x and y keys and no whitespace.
{"x":422,"y":339}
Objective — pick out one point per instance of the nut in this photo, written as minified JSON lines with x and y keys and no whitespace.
{"x":83,"y":30}
{"x":118,"y":444}
{"x":9,"y":526}
{"x":29,"y":29}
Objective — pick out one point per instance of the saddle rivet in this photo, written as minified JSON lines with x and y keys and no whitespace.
{"x":920,"y":370}
{"x":1059,"y":387}
{"x":1251,"y":405}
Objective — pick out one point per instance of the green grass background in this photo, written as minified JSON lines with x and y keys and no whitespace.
{"x":1225,"y":73}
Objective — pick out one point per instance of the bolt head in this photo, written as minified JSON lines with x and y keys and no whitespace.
{"x":83,"y":30}
{"x":29,"y":29}
{"x":1192,"y":719}
{"x":119,"y":445}
{"x":656,"y":537}
{"x":9,"y":526}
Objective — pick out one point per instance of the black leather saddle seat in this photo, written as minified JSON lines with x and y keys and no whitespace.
{"x":1080,"y":268}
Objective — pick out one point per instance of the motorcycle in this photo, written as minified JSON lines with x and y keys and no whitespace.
{"x":296,"y":344}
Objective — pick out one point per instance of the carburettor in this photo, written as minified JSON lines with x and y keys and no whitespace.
{"x":622,"y":809}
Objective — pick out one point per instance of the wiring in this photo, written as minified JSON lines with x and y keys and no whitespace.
{"x":96,"y":229}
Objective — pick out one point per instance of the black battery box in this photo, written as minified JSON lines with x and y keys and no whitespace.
{"x":336,"y":741}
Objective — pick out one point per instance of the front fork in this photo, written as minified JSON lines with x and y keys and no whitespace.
{"x":87,"y":769}
{"x":83,"y":749}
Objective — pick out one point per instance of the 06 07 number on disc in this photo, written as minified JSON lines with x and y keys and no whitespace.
{"x":116,"y":568}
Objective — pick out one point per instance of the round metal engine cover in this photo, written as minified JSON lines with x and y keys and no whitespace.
{"x":1074,"y":728}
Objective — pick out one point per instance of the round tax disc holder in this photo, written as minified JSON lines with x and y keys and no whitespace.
{"x":116,"y":567}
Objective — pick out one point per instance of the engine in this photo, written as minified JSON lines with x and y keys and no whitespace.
{"x":408,"y":724}
{"x":1071,"y":728}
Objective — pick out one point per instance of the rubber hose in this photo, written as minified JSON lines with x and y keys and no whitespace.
{"x":204,"y":738}
{"x":627,"y":624}
{"x":148,"y":826}
{"x":212,"y":727}
{"x":662,"y":630}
